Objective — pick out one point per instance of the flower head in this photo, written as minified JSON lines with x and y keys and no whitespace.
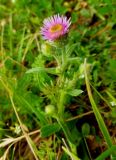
{"x":55,"y":27}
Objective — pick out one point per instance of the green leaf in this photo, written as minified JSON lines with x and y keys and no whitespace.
{"x":74,"y":60}
{"x":85,"y":129}
{"x":37,"y":69}
{"x":49,"y":129}
{"x":111,"y":73}
{"x":25,"y":103}
{"x":75,"y":92}
{"x":41,"y":69}
{"x":70,"y":49}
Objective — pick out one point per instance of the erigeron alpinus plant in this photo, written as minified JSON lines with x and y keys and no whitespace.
{"x":58,"y":83}
{"x":57,"y":73}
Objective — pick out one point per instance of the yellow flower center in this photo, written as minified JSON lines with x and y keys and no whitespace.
{"x":56,"y":28}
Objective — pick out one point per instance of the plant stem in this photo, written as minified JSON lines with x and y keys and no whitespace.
{"x":67,"y":133}
{"x":61,"y":103}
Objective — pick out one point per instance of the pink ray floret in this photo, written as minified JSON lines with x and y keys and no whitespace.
{"x":55,"y":27}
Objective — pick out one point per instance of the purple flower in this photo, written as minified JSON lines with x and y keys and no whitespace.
{"x":55,"y":27}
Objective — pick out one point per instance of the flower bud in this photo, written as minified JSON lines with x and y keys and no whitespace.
{"x":46,"y":49}
{"x":50,"y":109}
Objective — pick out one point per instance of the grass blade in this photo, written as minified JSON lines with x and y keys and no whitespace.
{"x":107,"y":153}
{"x":98,"y":116}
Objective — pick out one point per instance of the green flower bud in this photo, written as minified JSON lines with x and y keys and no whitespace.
{"x":50,"y":109}
{"x":46,"y":49}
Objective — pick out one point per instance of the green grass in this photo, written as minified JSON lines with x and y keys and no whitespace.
{"x":54,"y":104}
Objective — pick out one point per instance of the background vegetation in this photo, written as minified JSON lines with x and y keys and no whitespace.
{"x":31,"y":86}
